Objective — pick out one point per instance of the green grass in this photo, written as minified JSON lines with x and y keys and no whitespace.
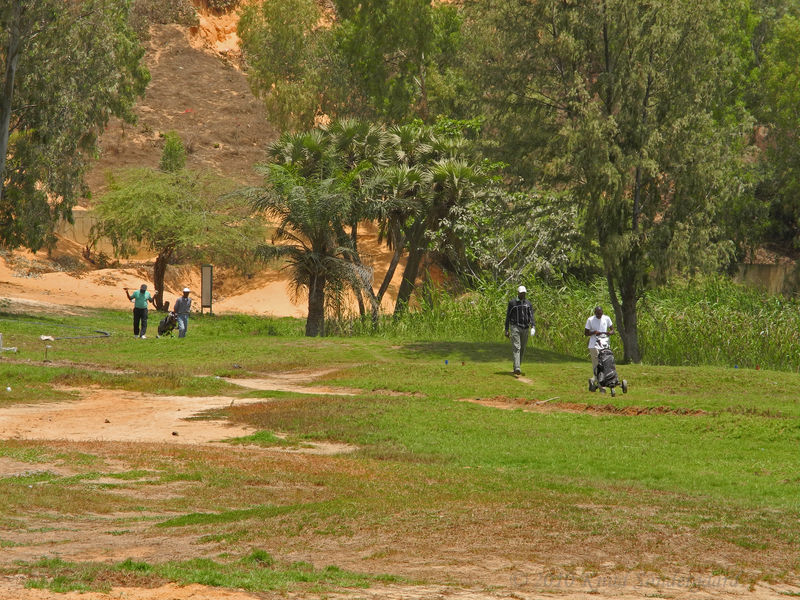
{"x":714,"y":465}
{"x":255,"y":572}
{"x":228,"y":516}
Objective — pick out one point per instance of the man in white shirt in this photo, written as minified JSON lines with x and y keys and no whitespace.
{"x":597,"y":323}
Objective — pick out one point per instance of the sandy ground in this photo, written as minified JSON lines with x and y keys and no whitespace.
{"x":37,"y":281}
{"x":10,"y":590}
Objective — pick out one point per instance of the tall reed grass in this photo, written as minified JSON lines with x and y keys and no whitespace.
{"x":711,"y":321}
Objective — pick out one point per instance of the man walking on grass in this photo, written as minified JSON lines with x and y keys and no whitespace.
{"x":182,"y":307}
{"x":597,"y":323}
{"x":519,"y":322}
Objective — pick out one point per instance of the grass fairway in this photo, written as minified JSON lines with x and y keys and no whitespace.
{"x":458,"y":472}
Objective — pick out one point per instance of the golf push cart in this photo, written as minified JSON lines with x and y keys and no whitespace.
{"x":606,"y":370}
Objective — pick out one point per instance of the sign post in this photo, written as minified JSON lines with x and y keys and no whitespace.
{"x":206,"y":288}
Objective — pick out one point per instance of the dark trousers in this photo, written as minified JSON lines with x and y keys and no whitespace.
{"x":139,"y":316}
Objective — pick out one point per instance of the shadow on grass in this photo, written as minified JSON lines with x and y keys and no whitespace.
{"x":485,"y":352}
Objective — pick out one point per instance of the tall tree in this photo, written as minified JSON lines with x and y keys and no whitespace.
{"x":414,"y":180}
{"x":386,"y":59}
{"x":67,"y":67}
{"x":347,"y":150}
{"x":178,"y":214}
{"x":435,"y":172}
{"x":311,"y":212}
{"x":779,"y":110}
{"x":633,"y":106}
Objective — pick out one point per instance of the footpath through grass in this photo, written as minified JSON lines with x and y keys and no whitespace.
{"x":706,"y":480}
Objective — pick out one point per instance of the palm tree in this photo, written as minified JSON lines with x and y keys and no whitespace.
{"x":411,"y":179}
{"x":310,"y":213}
{"x":434,"y":176}
{"x":362,"y":147}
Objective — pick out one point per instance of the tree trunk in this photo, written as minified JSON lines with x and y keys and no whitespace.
{"x":12,"y":51}
{"x":626,"y":316}
{"x":415,"y":253}
{"x":315,"y":324}
{"x":408,"y":282}
{"x":159,"y":271}
{"x":387,"y":279}
{"x":362,"y":309}
{"x":630,"y":339}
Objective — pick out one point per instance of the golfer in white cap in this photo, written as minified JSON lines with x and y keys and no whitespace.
{"x":519,"y":322}
{"x":182,"y":307}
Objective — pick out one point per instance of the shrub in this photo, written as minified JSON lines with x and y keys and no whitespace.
{"x":173,"y":157}
{"x":711,"y":321}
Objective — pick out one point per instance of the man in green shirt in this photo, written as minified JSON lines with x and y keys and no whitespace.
{"x":140,"y":298}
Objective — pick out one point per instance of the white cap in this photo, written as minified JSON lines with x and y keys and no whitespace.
{"x":521,"y":289}
{"x":186,"y":290}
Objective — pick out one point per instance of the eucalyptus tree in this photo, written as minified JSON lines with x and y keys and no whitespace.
{"x":66,"y":67}
{"x":779,"y":99}
{"x":632,"y":106}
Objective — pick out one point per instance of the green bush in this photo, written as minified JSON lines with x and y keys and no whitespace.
{"x":173,"y":157}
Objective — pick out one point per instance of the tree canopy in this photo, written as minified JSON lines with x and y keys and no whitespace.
{"x":619,"y":102}
{"x":378,"y":59}
{"x":779,"y":110}
{"x":68,"y":67}
{"x":178,"y":214}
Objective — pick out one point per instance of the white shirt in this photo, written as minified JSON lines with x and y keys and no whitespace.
{"x":603,"y":324}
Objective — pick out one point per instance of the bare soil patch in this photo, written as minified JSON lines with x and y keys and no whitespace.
{"x":11,"y":590}
{"x":123,"y":416}
{"x":293,"y":381}
{"x":551,"y":405}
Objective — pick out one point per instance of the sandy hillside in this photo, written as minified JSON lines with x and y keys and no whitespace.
{"x":196,"y":91}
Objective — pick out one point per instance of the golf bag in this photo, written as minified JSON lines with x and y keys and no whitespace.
{"x":168,"y":324}
{"x":606,"y":371}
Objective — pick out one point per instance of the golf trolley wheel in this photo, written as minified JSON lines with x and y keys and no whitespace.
{"x":624,"y":386}
{"x":592,"y":387}
{"x":613,"y":393}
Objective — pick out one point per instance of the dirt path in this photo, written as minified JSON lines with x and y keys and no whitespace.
{"x":100,"y":415}
{"x":292,"y":382}
{"x":120,"y":416}
{"x":11,"y":588}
